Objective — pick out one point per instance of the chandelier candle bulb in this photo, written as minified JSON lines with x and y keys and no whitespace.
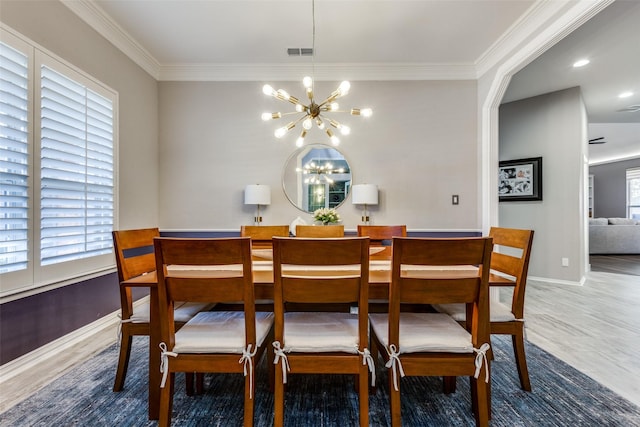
{"x":307,"y":82}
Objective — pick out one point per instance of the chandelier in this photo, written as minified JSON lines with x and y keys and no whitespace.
{"x":319,"y":173}
{"x":313,"y":112}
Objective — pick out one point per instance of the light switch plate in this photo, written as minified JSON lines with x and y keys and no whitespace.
{"x":455,"y":199}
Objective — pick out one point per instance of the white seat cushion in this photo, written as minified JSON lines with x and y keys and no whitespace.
{"x":310,"y":332}
{"x":424,"y":332}
{"x":498,"y":312}
{"x":140,"y":313}
{"x":183,"y":311}
{"x":219,"y":332}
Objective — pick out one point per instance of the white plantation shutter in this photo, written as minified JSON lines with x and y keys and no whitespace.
{"x":77,"y":173}
{"x":633,"y":193}
{"x":58,"y":146}
{"x":14,"y":159}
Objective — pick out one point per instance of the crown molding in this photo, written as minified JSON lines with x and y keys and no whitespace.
{"x":101,"y":22}
{"x":321,"y":72}
{"x":563,"y":16}
{"x":621,"y":158}
{"x":540,"y":14}
{"x":97,"y":19}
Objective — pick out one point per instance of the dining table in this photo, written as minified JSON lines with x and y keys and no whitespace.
{"x":379,"y":279}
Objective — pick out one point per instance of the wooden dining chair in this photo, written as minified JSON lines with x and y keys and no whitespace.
{"x":261,"y":235}
{"x":209,"y":270}
{"x":134,"y":257}
{"x":381,"y":236}
{"x":509,"y":267}
{"x":312,"y":342}
{"x":319,"y":230}
{"x":433,"y":344}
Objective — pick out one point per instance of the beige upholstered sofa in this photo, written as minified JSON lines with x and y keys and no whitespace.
{"x":614,"y":236}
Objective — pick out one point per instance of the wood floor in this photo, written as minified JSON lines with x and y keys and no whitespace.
{"x":591,"y":327}
{"x":621,"y":264}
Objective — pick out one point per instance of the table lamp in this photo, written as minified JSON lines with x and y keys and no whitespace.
{"x":256,"y":194}
{"x":364,"y":194}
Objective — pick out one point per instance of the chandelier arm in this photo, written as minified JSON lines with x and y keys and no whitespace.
{"x":299,"y":120}
{"x":290,"y":113}
{"x":329,"y":99}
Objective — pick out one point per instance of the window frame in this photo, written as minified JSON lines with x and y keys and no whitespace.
{"x":37,"y":278}
{"x":631,"y":174}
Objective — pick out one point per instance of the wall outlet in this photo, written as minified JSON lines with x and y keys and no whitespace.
{"x":565,"y":262}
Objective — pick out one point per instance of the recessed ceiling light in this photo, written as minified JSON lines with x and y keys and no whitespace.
{"x":625,"y":94}
{"x":580,"y":63}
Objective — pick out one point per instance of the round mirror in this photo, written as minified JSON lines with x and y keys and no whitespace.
{"x":316,"y":176}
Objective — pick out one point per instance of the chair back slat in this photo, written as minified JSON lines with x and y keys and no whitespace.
{"x":511,"y":240}
{"x":203,"y":251}
{"x":443,"y":252}
{"x":261,"y":235}
{"x":333,"y":290}
{"x":506,"y":264}
{"x":379,"y":233}
{"x":322,"y":231}
{"x":320,"y":251}
{"x":381,"y":236}
{"x":134,"y":252}
{"x":440,"y":291}
{"x":224,"y":289}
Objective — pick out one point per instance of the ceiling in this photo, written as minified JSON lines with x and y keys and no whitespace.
{"x":611,"y":41}
{"x":383,"y":40}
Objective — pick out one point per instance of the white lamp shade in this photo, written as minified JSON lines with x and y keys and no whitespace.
{"x":364,"y":194}
{"x":257,"y":194}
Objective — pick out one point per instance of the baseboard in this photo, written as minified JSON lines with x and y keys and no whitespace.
{"x":558,"y":281}
{"x":23,"y":363}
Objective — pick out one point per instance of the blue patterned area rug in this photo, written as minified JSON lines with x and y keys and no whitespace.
{"x":561,"y":396}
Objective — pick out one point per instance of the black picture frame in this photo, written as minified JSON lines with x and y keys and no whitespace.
{"x":520,"y":180}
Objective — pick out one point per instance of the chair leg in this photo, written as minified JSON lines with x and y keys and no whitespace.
{"x":278,"y":405}
{"x":394,"y":402}
{"x":188,"y":381}
{"x":449,"y":385}
{"x":123,"y":361}
{"x":481,"y":401}
{"x":199,"y":382}
{"x":521,"y":360}
{"x":363,"y":380}
{"x":166,"y":401}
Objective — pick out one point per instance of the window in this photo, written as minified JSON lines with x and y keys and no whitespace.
{"x":633,"y":193}
{"x":14,"y":158}
{"x":57,"y":149}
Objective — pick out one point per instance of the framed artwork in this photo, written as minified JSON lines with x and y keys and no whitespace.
{"x":520,"y":180}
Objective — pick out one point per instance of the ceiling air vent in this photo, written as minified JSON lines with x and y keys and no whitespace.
{"x":630,"y":109}
{"x":299,"y":51}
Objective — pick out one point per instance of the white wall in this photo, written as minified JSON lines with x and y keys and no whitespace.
{"x":420,"y":147}
{"x":56,"y":28}
{"x":553,"y":126}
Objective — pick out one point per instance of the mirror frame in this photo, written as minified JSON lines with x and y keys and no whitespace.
{"x":292,"y":163}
